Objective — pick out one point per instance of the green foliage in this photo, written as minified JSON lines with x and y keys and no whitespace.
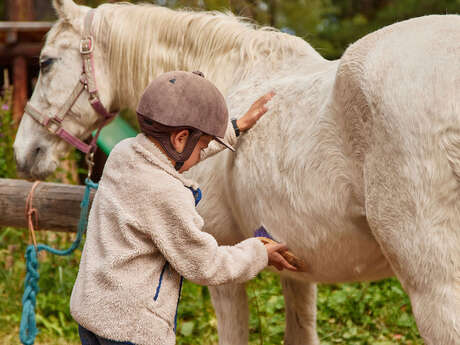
{"x":366,"y":313}
{"x":345,"y":21}
{"x":196,"y":318}
{"x":356,"y":314}
{"x":7,"y":164}
{"x":57,"y":275}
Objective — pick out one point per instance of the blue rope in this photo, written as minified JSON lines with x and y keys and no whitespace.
{"x":28,"y":328}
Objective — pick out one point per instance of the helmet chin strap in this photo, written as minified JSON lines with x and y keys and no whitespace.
{"x":162,"y":135}
{"x":178,"y":165}
{"x":181,"y":157}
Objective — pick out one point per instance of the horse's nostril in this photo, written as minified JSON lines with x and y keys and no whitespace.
{"x":39,"y":150}
{"x":26,"y":163}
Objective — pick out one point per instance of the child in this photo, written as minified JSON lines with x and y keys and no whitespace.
{"x":144,"y":233}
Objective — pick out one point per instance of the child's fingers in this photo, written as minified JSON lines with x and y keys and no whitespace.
{"x":269,"y":95}
{"x":278,"y":266}
{"x":291,"y":268}
{"x":278,"y":254}
{"x":262,"y":101}
{"x":286,"y":264}
{"x":265,"y":98}
{"x":277,"y":247}
{"x":277,"y":260}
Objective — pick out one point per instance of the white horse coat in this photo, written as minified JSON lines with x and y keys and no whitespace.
{"x":356,"y":165}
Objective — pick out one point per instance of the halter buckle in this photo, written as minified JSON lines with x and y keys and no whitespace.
{"x":52,"y":121}
{"x":86,"y":45}
{"x":89,"y":158}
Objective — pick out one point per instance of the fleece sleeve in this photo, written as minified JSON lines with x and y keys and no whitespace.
{"x":195,"y":254}
{"x":215,"y":147}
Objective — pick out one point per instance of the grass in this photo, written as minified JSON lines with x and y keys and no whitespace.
{"x":366,"y":313}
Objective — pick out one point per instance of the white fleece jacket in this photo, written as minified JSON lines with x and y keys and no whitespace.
{"x":143,"y":216}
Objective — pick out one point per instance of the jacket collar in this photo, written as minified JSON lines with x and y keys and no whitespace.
{"x":151,"y":153}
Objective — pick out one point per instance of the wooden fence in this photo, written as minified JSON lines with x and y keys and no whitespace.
{"x":58,"y":204}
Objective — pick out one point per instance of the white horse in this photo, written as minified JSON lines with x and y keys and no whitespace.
{"x":356,"y":165}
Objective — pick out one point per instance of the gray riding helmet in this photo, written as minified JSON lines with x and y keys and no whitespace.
{"x":183,"y":100}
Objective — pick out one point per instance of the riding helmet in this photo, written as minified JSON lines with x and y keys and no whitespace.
{"x":182,"y":100}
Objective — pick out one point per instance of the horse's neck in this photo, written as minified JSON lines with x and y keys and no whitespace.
{"x":222,"y":47}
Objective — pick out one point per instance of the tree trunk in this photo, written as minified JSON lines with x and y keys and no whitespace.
{"x":19,"y":88}
{"x":21,"y":10}
{"x":58,"y":205}
{"x":273,"y":12}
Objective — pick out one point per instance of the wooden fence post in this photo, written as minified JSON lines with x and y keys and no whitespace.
{"x":19,"y":10}
{"x":19,"y":87}
{"x":58,"y":204}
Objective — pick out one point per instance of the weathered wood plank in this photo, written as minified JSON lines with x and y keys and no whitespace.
{"x":58,"y":204}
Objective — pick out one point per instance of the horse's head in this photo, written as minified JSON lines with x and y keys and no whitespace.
{"x":37,"y":147}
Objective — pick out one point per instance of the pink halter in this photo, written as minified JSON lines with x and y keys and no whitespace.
{"x":87,"y":82}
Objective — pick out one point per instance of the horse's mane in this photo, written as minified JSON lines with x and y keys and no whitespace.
{"x":146,"y":40}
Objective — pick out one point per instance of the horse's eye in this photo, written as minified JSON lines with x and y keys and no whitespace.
{"x":45,"y":64}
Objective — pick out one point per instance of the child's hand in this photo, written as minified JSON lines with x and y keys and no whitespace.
{"x":275,"y":257}
{"x":254,"y":113}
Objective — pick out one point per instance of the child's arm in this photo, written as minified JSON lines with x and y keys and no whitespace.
{"x":176,"y":232}
{"x":244,"y":123}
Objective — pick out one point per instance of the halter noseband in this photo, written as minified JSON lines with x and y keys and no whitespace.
{"x":87,"y":82}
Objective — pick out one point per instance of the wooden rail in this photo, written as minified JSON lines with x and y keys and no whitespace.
{"x":28,"y":50}
{"x":58,"y":204}
{"x":26,"y":26}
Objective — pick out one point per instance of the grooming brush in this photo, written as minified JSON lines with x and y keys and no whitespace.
{"x":265,"y":237}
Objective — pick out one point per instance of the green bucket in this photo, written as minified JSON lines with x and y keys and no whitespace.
{"x":113,"y":133}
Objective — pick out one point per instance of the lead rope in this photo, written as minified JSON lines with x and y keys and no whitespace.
{"x":28,"y":328}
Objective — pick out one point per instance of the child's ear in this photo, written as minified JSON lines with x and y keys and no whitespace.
{"x":179,"y":140}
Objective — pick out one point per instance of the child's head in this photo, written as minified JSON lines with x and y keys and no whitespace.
{"x":183,"y":112}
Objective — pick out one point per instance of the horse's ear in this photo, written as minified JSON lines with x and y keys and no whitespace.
{"x":67,"y":9}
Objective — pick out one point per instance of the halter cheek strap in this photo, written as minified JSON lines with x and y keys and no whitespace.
{"x":86,"y":82}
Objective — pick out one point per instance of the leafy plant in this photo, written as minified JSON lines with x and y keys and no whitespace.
{"x":7,"y":163}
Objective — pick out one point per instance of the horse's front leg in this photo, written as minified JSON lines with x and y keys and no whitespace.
{"x":300,"y":304}
{"x":231,"y":306}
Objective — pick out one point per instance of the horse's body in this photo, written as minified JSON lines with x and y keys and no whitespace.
{"x":258,"y":183}
{"x":356,"y":165}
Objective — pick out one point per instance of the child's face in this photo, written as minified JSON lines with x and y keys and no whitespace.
{"x":195,"y":156}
